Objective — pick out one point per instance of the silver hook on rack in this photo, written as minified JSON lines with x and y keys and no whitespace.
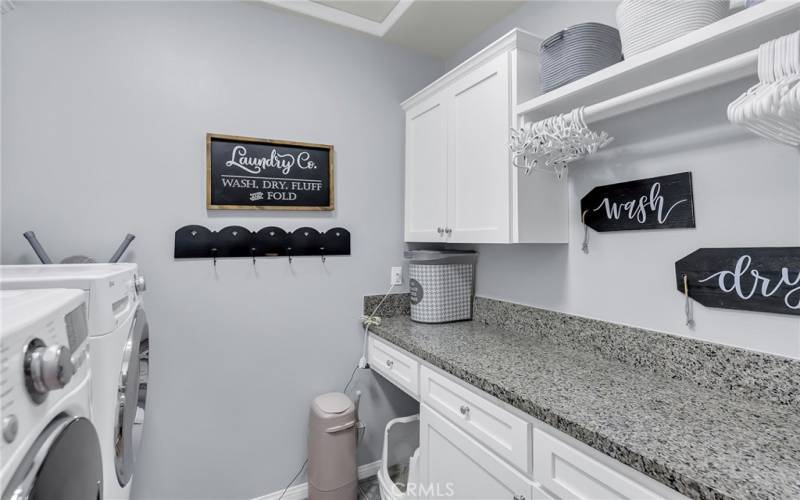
{"x":688,"y":309}
{"x":585,"y":246}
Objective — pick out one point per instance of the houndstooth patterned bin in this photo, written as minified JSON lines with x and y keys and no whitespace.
{"x":441,"y":292}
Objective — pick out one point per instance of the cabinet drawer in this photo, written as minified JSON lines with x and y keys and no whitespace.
{"x":454,"y":465}
{"x":540,"y":494}
{"x":567,"y":473}
{"x":390,"y":362}
{"x":502,"y":432}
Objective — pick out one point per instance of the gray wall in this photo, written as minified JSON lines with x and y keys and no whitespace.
{"x":105,"y":110}
{"x":542,"y":18}
{"x":747,"y":193}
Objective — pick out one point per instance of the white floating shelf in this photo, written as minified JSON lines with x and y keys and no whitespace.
{"x":737,"y":33}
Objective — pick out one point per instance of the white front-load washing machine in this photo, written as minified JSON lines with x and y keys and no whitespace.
{"x":119,"y":344}
{"x":49,"y":447}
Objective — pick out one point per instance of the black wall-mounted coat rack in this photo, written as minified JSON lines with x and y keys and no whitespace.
{"x":199,"y":242}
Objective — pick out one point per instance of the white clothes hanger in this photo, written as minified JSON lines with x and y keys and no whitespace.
{"x":771,"y":108}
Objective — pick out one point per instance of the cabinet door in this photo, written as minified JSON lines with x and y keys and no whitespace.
{"x":454,"y":465}
{"x":568,"y":474}
{"x":426,"y":171}
{"x":479,"y":167}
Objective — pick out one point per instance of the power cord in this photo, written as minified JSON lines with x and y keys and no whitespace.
{"x":368,"y":321}
{"x":294,"y":478}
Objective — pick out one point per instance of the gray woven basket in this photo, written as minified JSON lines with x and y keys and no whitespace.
{"x":441,"y":285}
{"x":577,"y":51}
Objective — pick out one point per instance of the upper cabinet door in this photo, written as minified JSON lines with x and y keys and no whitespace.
{"x":479,"y":194}
{"x":426,"y":171}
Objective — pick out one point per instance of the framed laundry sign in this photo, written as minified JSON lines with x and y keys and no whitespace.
{"x":245,"y":173}
{"x":765,"y":279}
{"x":656,"y":203}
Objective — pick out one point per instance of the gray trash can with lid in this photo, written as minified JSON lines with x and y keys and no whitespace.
{"x":332,"y":467}
{"x":441,"y":284}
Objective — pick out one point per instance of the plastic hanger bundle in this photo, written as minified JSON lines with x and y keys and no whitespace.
{"x":771,"y":108}
{"x":551,"y":144}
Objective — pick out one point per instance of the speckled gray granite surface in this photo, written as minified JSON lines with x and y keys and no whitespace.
{"x":747,"y":373}
{"x":395,"y":304}
{"x":702,"y":439}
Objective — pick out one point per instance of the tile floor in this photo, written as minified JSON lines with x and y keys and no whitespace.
{"x":368,"y":489}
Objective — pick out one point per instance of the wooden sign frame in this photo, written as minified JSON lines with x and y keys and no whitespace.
{"x":253,"y":140}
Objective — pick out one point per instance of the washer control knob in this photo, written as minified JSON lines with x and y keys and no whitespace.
{"x":139,"y":284}
{"x":10,"y":428}
{"x":47,"y":368}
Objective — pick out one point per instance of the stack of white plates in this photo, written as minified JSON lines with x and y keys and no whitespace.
{"x":644,"y":24}
{"x":577,"y":51}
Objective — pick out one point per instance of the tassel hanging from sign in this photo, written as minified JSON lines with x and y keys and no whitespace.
{"x":585,"y":246}
{"x":688,"y":307}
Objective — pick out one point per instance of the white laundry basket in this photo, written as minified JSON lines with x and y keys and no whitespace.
{"x":399,"y":460}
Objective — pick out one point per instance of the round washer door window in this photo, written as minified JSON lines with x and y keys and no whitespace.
{"x":64,"y":462}
{"x":131,"y":397}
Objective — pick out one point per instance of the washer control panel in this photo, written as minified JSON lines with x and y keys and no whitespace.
{"x":43,"y":360}
{"x":46,"y":368}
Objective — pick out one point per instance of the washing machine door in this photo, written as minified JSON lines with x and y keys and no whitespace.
{"x":64,"y":462}
{"x":131,"y":397}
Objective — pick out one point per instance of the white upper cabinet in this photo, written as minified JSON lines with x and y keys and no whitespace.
{"x":460,"y":184}
{"x":426,"y":182}
{"x":478,"y":192}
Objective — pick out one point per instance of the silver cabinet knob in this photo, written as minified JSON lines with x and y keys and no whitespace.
{"x":389,"y":363}
{"x":440,"y":230}
{"x":47,"y":368}
{"x":519,"y":497}
{"x":448,"y":230}
{"x":139,"y":283}
{"x":464,"y":409}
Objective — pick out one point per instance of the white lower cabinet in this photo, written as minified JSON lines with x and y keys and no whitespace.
{"x":505,"y":434}
{"x":473,"y":448}
{"x":567,"y":473}
{"x":453,"y":465}
{"x":402,"y":370}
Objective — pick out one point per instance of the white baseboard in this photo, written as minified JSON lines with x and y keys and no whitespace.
{"x":368,"y":470}
{"x":300,"y":491}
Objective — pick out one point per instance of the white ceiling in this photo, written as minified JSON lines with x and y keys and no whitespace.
{"x":435,"y":27}
{"x":374,"y":10}
{"x":440,"y":28}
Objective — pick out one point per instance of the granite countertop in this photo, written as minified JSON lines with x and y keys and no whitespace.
{"x":704,"y":442}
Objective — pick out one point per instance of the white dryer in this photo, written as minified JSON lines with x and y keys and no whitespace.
{"x":119,"y":342}
{"x":49,"y":445}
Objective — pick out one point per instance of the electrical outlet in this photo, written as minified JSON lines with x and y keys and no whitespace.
{"x":396,"y":276}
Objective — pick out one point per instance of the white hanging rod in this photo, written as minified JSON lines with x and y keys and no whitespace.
{"x":724,"y":71}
